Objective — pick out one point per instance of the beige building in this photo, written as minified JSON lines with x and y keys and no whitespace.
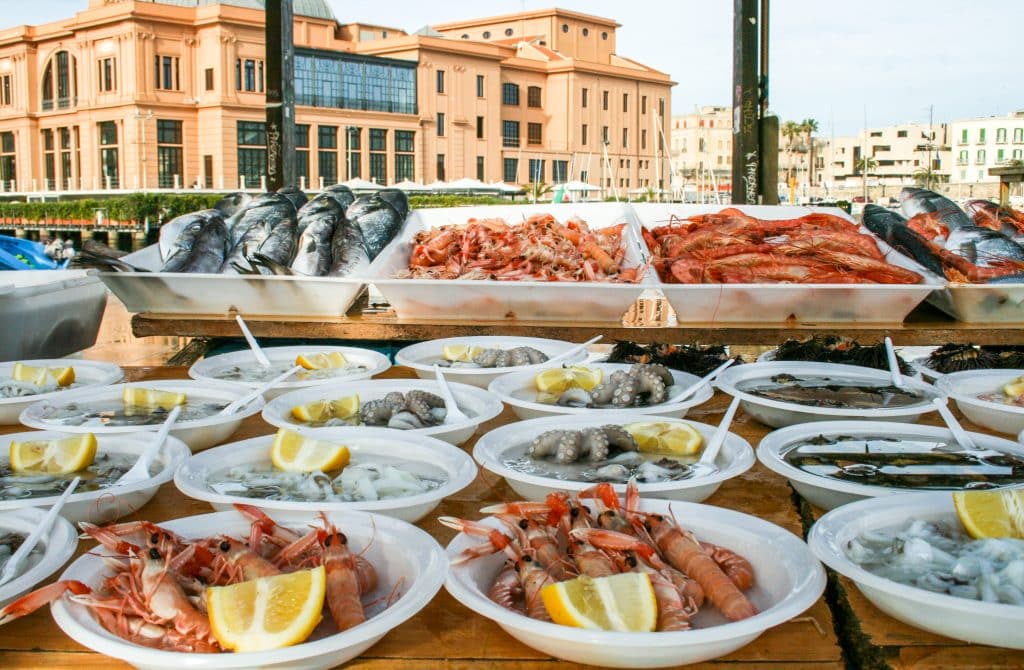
{"x":702,"y":152}
{"x":981,"y":144}
{"x":167,"y":94}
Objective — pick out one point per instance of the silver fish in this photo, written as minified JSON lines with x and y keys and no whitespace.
{"x":397,"y":199}
{"x":378,"y":220}
{"x":232,"y":203}
{"x":348,"y":250}
{"x":270,"y":207}
{"x":892,"y":227}
{"x":983,"y":246}
{"x":252,"y":238}
{"x":279,"y":247}
{"x":201,"y":247}
{"x":915,"y":201}
{"x":172,"y":230}
{"x":343,"y":194}
{"x":297,"y":197}
{"x":316,"y":223}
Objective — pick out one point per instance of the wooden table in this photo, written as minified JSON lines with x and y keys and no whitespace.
{"x":447,"y":635}
{"x":924,"y":326}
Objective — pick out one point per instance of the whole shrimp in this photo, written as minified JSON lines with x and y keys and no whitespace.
{"x":343,"y":594}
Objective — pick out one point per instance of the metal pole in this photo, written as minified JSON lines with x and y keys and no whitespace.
{"x":745,"y":144}
{"x":280,"y":95}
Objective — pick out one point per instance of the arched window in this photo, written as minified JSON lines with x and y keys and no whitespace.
{"x":60,"y":82}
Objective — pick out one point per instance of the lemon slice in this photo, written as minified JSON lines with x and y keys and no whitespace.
{"x":294,"y":452}
{"x":460,"y":352}
{"x":663,"y":437}
{"x":560,"y":380}
{"x":317,"y":411}
{"x":268,"y":612}
{"x":345,"y":408}
{"x":147,"y":397}
{"x":63,"y":456}
{"x":1015,"y":388}
{"x":586,"y":378}
{"x":991,"y":513}
{"x":334,"y":359}
{"x":29,"y":373}
{"x":623,"y":603}
{"x":63,"y":376}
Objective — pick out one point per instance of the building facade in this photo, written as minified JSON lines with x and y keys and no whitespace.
{"x":980,"y":144}
{"x":702,"y":150}
{"x":132,"y":94}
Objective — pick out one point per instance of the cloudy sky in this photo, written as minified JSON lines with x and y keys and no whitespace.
{"x":829,"y":58}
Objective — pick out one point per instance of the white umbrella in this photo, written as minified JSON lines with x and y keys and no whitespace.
{"x":507,"y":188}
{"x":357,"y":184}
{"x":466,"y":184}
{"x":411,"y":187}
{"x":576,"y":186}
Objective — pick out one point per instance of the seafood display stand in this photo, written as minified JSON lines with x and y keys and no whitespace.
{"x":842,"y":629}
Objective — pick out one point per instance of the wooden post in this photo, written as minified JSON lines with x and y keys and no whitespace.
{"x":280,"y":94}
{"x":745,"y":136}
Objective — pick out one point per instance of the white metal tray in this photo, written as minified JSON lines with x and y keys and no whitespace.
{"x":788,"y":303}
{"x":451,"y":299}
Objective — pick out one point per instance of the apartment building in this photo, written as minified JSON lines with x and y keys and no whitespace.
{"x":169,"y":94}
{"x":701,"y":145}
{"x":983,"y":143}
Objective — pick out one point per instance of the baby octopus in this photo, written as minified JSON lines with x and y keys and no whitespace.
{"x":641,"y":385}
{"x":591,"y":444}
{"x":415,"y":409}
{"x":502,"y":358}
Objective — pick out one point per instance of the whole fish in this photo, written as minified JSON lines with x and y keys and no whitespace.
{"x":378,"y":221}
{"x":297,"y":197}
{"x":988,"y":214}
{"x":172,"y":230}
{"x":397,"y":199}
{"x":914,"y":201}
{"x":271,"y":207}
{"x":279,"y":247}
{"x":984,"y":247}
{"x":253,"y":201}
{"x":348,"y":250}
{"x":343,"y":194}
{"x":238,"y":256}
{"x":892,"y":228}
{"x":201,"y":248}
{"x":232,"y":203}
{"x":316,"y":223}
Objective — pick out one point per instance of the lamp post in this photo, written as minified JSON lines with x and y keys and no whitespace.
{"x":348,"y":151}
{"x":142,"y":118}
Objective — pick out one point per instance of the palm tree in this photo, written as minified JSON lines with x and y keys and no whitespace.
{"x":808,"y":127}
{"x":790,"y":130}
{"x":866,"y":164}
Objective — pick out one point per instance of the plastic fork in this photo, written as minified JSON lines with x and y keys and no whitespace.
{"x":236,"y":405}
{"x":452,"y":411}
{"x":714,"y":445}
{"x":140,"y":471}
{"x":894,"y":365}
{"x":702,"y":382}
{"x":15,"y":561}
{"x":261,"y":357}
{"x":959,"y":434}
{"x":569,"y":353}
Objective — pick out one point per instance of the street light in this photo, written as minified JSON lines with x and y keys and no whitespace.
{"x":142,"y":118}
{"x":348,"y":150}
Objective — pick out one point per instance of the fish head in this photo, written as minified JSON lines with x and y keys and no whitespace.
{"x":232,"y":203}
{"x":397,"y":199}
{"x":294,"y":195}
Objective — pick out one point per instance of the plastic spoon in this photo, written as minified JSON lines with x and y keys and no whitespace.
{"x":569,"y":353}
{"x":140,"y":470}
{"x":14,"y":562}
{"x":258,"y":391}
{"x":261,"y":357}
{"x":714,"y":445}
{"x":894,"y":365}
{"x":452,"y":411}
{"x":959,"y":434}
{"x":705,"y":380}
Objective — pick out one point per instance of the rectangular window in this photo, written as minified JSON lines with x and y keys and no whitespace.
{"x":643,"y":139}
{"x":302,"y":153}
{"x":404,"y":140}
{"x":604,"y":134}
{"x":625,"y":138}
{"x":208,"y":171}
{"x":252,"y":152}
{"x":980,"y":158}
{"x":440,"y":167}
{"x":378,"y":139}
{"x":901,"y":133}
{"x":479,"y":86}
{"x":440,"y":124}
{"x":327,"y":154}
{"x":170,"y":168}
{"x":378,"y":157}
{"x":510,"y":170}
{"x":1000,"y":135}
{"x":107,"y":75}
{"x":510,"y":133}
{"x":643,"y":104}
{"x":583,"y":135}
{"x":249,"y":75}
{"x":625,"y":102}
{"x":479,"y":127}
{"x":354,"y":155}
{"x":1017,"y":154}
{"x":209,"y":78}
{"x":6,"y":96}
{"x":440,"y":81}
{"x":981,"y":136}
{"x":167,"y":73}
{"x":327,"y":137}
{"x":109,"y":165}
{"x":583,"y":99}
{"x":533,"y":96}
{"x":963,"y":136}
{"x":661,"y":109}
{"x":559,"y":171}
{"x":604,"y":100}
{"x":533,"y":133}
{"x":480,"y":168}
{"x":336,"y":81}
{"x":8,"y":162}
{"x":252,"y":133}
{"x":1018,"y":135}
{"x":536,"y":170}
{"x":510,"y":94}
{"x":1000,"y":156}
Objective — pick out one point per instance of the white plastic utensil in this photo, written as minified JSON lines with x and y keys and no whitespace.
{"x":894,"y":365}
{"x":714,"y":445}
{"x":959,"y":434}
{"x":258,"y":391}
{"x":569,"y":353}
{"x":14,"y":562}
{"x":140,"y":470}
{"x":261,"y":357}
{"x":704,"y":381}
{"x":453,"y":413}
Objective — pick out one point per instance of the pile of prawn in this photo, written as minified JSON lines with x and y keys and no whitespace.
{"x":563,"y":537}
{"x":539,"y":249}
{"x":731,"y":247}
{"x":155,"y":595}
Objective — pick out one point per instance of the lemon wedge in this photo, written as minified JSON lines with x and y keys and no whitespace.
{"x":663,"y":437}
{"x":345,"y":408}
{"x":29,"y":373}
{"x":268,"y":612}
{"x":460,"y":352}
{"x":334,"y":359}
{"x":560,"y":380}
{"x":294,"y":452}
{"x":1014,"y":389}
{"x":63,"y":456}
{"x":317,"y":411}
{"x":64,"y":376}
{"x":623,"y":603}
{"x":991,"y":513}
{"x":147,"y":397}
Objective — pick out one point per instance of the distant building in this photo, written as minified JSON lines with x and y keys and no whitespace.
{"x":702,"y":150}
{"x":170,"y":94}
{"x":980,"y":144}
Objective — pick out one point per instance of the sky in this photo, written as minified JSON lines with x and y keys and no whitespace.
{"x":834,"y":61}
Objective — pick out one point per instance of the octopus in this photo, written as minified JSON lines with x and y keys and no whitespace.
{"x":405,"y":411}
{"x":503,"y":358}
{"x":642,"y":385}
{"x":589,"y":444}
